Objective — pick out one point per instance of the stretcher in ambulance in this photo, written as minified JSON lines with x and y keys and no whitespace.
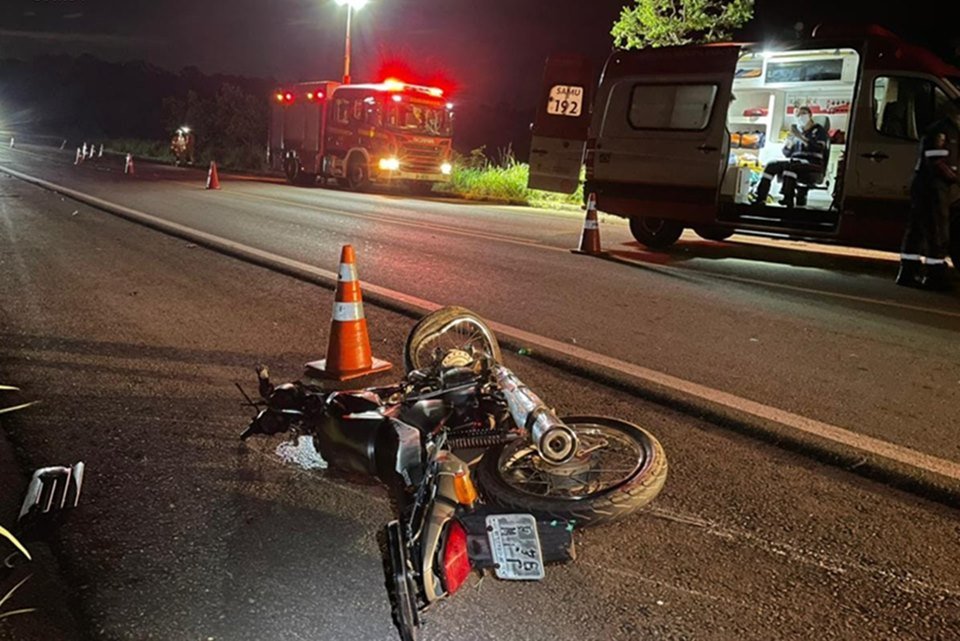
{"x":678,"y":137}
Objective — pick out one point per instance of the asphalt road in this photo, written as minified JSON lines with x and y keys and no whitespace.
{"x":131,"y":340}
{"x":820,"y":332}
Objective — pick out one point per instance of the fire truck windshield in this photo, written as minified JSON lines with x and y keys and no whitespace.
{"x":419,"y":118}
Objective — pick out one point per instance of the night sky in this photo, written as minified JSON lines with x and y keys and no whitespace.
{"x":491,"y":51}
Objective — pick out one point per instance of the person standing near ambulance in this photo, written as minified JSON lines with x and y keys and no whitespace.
{"x":935,"y":187}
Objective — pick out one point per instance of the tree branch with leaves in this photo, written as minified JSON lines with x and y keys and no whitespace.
{"x":665,"y":23}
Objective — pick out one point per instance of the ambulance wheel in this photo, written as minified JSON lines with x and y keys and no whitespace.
{"x":655,"y":233}
{"x":718,"y":234}
{"x":358,"y":174}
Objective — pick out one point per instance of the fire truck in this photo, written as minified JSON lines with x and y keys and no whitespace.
{"x":358,"y":134}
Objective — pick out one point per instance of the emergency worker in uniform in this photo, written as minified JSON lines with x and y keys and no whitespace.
{"x":805,"y":150}
{"x":182,"y":145}
{"x":935,"y":187}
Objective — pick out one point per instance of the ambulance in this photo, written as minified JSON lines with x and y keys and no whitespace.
{"x":677,"y":138}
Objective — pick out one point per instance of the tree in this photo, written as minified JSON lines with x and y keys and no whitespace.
{"x":664,"y":23}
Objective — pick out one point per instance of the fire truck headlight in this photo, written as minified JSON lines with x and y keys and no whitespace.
{"x":446,"y":169}
{"x":389,"y":164}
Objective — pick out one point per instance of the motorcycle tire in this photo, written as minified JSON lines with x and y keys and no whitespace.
{"x":401,"y":588}
{"x":431,"y":327}
{"x":622,"y":498}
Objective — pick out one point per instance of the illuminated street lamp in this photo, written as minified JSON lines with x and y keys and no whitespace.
{"x":352,"y":5}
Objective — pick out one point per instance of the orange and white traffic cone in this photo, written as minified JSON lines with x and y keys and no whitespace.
{"x":128,"y":166}
{"x":590,"y":236}
{"x":84,"y":151}
{"x":213,"y":180}
{"x":348,"y":352}
{"x":79,"y":158}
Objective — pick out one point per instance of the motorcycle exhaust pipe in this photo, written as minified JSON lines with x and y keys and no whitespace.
{"x":555,"y":441}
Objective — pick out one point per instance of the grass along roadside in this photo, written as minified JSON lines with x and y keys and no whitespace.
{"x":475,"y":177}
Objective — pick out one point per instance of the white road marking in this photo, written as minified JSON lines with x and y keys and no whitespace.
{"x":837,"y":435}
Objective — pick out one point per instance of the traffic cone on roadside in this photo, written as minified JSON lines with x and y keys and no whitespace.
{"x":63,"y":145}
{"x":128,"y":166}
{"x":213,"y":180}
{"x":348,"y":352}
{"x":100,"y":153}
{"x":79,"y":158}
{"x":12,"y":142}
{"x":84,"y":151}
{"x":590,"y":236}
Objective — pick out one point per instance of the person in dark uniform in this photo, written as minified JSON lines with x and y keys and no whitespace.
{"x":805,"y":150}
{"x":933,"y":190}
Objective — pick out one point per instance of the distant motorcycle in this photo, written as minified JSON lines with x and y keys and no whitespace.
{"x":540,"y":474}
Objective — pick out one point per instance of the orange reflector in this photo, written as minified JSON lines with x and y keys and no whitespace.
{"x":463,"y":485}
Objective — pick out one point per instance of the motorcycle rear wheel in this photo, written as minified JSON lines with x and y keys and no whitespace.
{"x":401,"y":588}
{"x":619,"y":468}
{"x":446,"y":330}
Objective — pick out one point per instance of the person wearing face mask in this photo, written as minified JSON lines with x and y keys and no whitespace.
{"x":935,"y":187}
{"x":805,"y":150}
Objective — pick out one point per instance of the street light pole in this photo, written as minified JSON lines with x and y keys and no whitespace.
{"x":346,"y":56}
{"x":352,"y":5}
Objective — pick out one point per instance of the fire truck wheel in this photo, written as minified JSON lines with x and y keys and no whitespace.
{"x":293,"y":170}
{"x":655,"y":233}
{"x":358,"y":174}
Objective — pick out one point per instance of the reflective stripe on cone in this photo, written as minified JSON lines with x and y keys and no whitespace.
{"x":348,"y":272}
{"x":348,"y":312}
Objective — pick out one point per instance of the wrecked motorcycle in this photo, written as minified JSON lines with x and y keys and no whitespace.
{"x":540,"y":474}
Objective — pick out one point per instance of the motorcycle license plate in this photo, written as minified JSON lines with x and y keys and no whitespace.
{"x":515,"y":545}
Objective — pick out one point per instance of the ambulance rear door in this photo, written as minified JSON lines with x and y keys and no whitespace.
{"x":660,"y":129}
{"x":561,"y":123}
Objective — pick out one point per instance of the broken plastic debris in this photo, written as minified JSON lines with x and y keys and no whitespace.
{"x":301,"y":453}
